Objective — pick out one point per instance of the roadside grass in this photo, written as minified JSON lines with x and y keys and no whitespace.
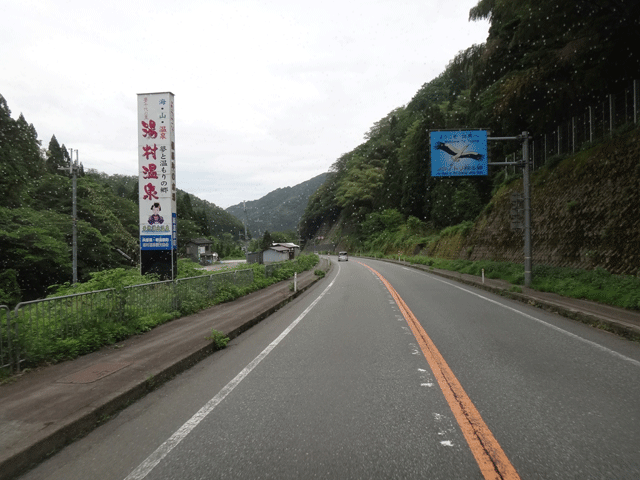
{"x":218,"y":339}
{"x":117,"y":326}
{"x":597,"y":285}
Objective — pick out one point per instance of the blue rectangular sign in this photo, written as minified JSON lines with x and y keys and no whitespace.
{"x":158,"y":235}
{"x":458,"y":153}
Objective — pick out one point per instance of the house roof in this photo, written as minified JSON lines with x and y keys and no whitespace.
{"x":200,"y":241}
{"x":288,"y":245}
{"x":278,"y":248}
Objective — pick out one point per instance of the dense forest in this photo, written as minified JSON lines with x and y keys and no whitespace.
{"x":542,"y":61}
{"x":36,"y":224}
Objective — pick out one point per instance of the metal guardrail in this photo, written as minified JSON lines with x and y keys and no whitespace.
{"x":27,"y":331}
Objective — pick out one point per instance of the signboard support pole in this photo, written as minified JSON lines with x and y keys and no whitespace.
{"x":526,"y":185}
{"x":527,"y":210}
{"x":455,"y":144}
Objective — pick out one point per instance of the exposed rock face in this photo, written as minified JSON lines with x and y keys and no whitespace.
{"x":585,"y":214}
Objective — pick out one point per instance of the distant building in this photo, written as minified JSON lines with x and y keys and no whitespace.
{"x":275,"y":254}
{"x":294,"y":250}
{"x":199,"y":250}
{"x":278,"y":252}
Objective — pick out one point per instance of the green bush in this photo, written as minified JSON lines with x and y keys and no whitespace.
{"x":121,"y":314}
{"x":218,"y":339}
{"x":597,"y":285}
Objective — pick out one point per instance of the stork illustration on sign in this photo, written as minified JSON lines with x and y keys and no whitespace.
{"x":458,"y":154}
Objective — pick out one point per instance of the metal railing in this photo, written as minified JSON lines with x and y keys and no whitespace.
{"x":585,"y":127}
{"x":26,"y":333}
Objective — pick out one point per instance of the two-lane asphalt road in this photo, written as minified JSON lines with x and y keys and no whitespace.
{"x":381,"y":371}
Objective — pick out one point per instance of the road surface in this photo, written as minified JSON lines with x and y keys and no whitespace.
{"x":381,"y":371}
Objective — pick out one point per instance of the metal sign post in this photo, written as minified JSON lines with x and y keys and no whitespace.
{"x":464,"y":153}
{"x":526,"y":185}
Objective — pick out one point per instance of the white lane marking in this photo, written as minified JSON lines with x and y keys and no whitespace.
{"x":163,"y":450}
{"x":531,"y":317}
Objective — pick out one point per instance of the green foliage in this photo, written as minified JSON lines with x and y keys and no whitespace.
{"x":568,"y":62}
{"x":34,"y":246}
{"x":319,"y":273}
{"x":386,"y":233}
{"x":187,"y":268}
{"x":462,"y":228}
{"x":218,"y":339}
{"x":454,"y":201}
{"x":267,"y":241}
{"x":375,"y":222}
{"x":57,"y":157}
{"x":10,"y":294}
{"x":117,"y":278}
{"x":70,"y":329}
{"x":597,"y":285}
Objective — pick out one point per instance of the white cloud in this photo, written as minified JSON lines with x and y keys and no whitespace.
{"x":268,"y":94}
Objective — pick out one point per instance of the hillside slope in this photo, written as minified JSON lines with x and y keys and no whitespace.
{"x":280,"y":210}
{"x":585,"y":214}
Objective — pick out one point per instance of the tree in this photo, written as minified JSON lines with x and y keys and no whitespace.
{"x":33,"y":244}
{"x":415,"y":163}
{"x":10,"y":293}
{"x":453,"y":201}
{"x":184,"y":207}
{"x":267,"y":241}
{"x":57,"y":157}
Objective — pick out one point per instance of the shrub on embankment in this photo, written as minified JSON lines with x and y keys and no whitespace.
{"x":81,"y":323}
{"x":597,"y":285}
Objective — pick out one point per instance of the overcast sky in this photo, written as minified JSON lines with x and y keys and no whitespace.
{"x":268,"y":94}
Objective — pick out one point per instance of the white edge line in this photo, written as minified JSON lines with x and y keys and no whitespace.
{"x":531,"y":317}
{"x":163,"y":450}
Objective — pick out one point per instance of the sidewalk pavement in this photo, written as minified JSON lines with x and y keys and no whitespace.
{"x":52,"y":406}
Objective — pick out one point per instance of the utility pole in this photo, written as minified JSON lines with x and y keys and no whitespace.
{"x":73,"y":170}
{"x":246,"y":220}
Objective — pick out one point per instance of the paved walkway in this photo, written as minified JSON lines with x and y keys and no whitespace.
{"x":48,"y":408}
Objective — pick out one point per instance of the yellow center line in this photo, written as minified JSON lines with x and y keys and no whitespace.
{"x":492,"y":460}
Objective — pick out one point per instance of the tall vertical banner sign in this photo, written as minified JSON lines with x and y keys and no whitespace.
{"x":458,"y":153}
{"x":157,"y":184}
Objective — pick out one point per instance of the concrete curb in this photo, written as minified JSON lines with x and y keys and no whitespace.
{"x":631,"y":332}
{"x":22,"y":461}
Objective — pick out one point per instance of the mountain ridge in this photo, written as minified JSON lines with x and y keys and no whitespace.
{"x":279,"y":210}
